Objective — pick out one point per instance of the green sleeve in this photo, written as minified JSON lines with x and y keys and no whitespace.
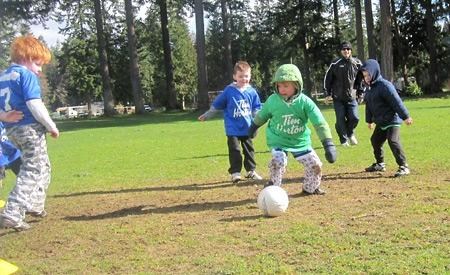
{"x":264,"y":114}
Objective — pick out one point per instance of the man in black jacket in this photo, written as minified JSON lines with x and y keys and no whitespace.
{"x":341,"y":87}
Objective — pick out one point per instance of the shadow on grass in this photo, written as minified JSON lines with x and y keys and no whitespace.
{"x":362,"y":175}
{"x":127,"y":121}
{"x":190,"y":187}
{"x":152,"y":209}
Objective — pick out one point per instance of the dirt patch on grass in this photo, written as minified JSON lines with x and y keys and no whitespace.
{"x":215,"y":227}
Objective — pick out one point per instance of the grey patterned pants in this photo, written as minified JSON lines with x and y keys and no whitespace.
{"x":33,"y":179}
{"x":311,"y":162}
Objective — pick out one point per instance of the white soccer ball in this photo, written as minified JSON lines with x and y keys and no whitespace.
{"x":273,"y":201}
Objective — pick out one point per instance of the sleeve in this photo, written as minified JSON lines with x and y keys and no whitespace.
{"x":220,"y":102}
{"x":256,"y":104}
{"x":369,"y":116}
{"x":30,"y":86}
{"x":396,"y":102}
{"x":328,"y":79}
{"x":40,"y":113}
{"x":264,"y":114}
{"x":211,"y":112}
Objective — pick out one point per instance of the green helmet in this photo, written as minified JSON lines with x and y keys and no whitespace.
{"x":288,"y":72}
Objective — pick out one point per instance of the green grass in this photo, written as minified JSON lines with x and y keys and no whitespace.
{"x":151,"y":195}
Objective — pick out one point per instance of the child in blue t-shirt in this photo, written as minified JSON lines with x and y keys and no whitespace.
{"x":21,"y":91}
{"x":239,"y":102}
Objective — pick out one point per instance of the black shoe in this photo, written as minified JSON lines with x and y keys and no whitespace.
{"x":376,"y":167}
{"x":318,"y":191}
{"x":402,"y":171}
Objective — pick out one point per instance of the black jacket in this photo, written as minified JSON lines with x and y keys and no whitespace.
{"x":383,"y":105}
{"x":340,"y":80}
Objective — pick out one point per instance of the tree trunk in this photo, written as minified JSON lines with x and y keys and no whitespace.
{"x":433,"y":75}
{"x":203,"y":102}
{"x":369,"y":24}
{"x":168,"y":63}
{"x":401,"y":53}
{"x":304,"y":45}
{"x":104,"y":69}
{"x":359,"y":31}
{"x":134,"y":67}
{"x":227,"y":42}
{"x":337,"y":29}
{"x":387,"y":67}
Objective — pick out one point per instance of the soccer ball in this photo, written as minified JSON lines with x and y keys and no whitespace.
{"x":273,"y":201}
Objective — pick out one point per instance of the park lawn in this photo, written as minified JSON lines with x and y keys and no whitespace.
{"x":151,"y":195}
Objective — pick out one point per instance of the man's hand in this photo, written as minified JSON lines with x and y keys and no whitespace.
{"x":11,"y":116}
{"x":370,"y":125}
{"x":328,"y":100}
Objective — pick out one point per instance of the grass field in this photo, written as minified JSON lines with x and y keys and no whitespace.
{"x":151,"y":195}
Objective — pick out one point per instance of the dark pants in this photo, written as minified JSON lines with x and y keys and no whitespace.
{"x":346,"y":118}
{"x":235,"y":156}
{"x":392,"y":134}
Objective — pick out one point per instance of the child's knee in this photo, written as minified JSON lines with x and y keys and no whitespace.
{"x":279,"y":160}
{"x":317,"y":169}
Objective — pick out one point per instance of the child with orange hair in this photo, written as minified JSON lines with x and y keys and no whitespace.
{"x":20,"y":90}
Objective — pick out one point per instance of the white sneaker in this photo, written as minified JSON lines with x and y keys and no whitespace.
{"x":345,"y":144}
{"x":353,"y":140}
{"x":253,"y":175}
{"x":235,"y":177}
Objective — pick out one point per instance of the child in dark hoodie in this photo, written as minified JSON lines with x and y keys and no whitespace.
{"x":288,"y":112}
{"x":385,"y":109}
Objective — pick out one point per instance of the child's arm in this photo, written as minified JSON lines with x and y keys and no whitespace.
{"x":40,"y":113}
{"x":11,"y":116}
{"x":208,"y":114}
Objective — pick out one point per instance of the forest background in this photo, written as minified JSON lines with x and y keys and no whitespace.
{"x":112,"y":55}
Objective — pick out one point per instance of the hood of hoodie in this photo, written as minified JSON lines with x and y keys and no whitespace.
{"x":373,"y":68}
{"x":288,"y":72}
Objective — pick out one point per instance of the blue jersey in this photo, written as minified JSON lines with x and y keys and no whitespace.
{"x":238,"y":108}
{"x":8,"y":152}
{"x":17,"y":86}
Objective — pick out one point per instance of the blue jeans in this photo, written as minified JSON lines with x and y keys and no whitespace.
{"x":346,"y":118}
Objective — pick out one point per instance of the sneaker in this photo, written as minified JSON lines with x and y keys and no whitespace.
{"x":318,"y":191}
{"x":353,"y":140}
{"x":235,"y":177}
{"x":253,"y":175}
{"x":403,"y":170}
{"x":345,"y":144}
{"x":6,"y":222}
{"x":376,"y":167}
{"x":41,"y":214}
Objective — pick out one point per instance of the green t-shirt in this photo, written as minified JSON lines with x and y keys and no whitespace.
{"x":287,"y":128}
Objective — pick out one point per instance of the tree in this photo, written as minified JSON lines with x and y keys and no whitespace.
{"x":168,"y":63}
{"x":226,"y":41}
{"x":104,"y":69}
{"x":359,"y":30}
{"x":387,"y":67}
{"x":134,"y":67}
{"x":337,"y":29}
{"x":370,"y":32}
{"x":433,"y":75}
{"x":202,"y":76}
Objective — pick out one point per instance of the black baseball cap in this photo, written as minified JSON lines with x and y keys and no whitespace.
{"x":346,"y":45}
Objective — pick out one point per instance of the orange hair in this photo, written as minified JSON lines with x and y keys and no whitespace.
{"x":241,"y":66}
{"x":28,"y":48}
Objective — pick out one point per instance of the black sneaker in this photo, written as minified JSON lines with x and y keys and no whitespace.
{"x":403,"y":170}
{"x":318,"y":191}
{"x":376,"y":167}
